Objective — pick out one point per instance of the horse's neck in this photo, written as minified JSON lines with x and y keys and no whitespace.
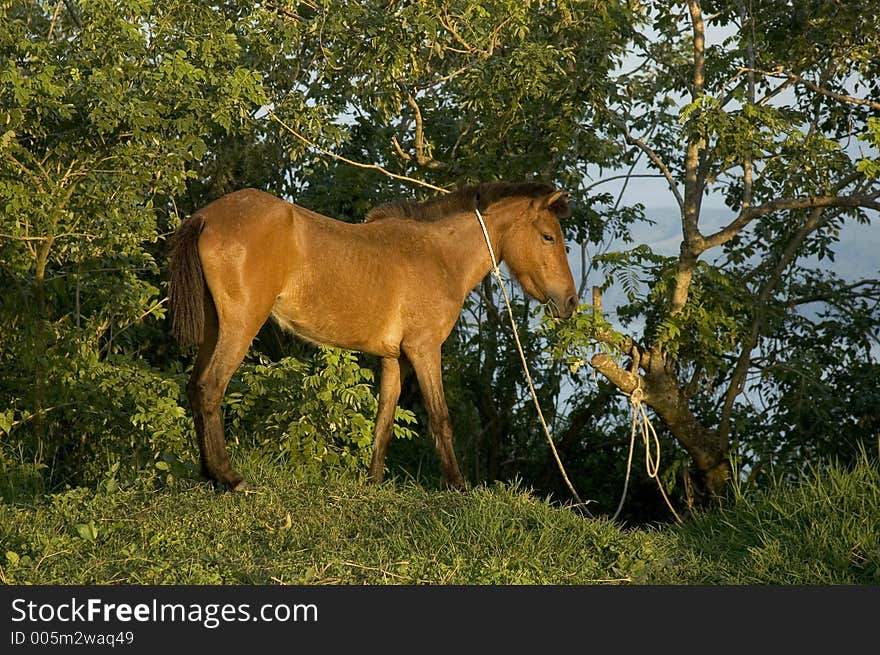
{"x":467,"y":250}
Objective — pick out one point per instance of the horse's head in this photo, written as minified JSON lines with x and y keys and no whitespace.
{"x":534,"y":249}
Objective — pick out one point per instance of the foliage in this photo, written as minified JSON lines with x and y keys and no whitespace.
{"x":746,"y":344}
{"x":119,"y":118}
{"x":104,"y":108}
{"x":458,"y":85}
{"x":311,"y":415}
{"x":104,"y":410}
{"x":112,"y":112}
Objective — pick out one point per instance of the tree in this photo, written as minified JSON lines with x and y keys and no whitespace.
{"x":770,"y":120}
{"x":105,"y":106}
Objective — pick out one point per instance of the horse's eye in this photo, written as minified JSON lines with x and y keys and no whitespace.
{"x":548,"y":238}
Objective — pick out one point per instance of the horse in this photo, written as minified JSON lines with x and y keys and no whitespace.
{"x":392,"y":286}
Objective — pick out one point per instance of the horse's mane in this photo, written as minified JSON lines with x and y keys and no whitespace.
{"x":462,"y":199}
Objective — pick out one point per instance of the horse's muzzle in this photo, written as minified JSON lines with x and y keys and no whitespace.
{"x":564,"y":309}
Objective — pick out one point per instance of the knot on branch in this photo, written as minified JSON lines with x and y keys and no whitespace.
{"x":637,"y":395}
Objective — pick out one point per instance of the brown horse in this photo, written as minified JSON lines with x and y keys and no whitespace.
{"x":392,"y":286}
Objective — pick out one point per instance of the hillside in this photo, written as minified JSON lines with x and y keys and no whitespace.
{"x":825,"y":530}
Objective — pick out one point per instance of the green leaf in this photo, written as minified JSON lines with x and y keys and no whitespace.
{"x":87,"y":531}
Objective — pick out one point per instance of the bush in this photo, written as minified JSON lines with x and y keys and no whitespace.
{"x":118,"y":413}
{"x":93,"y":412}
{"x":309,"y":414}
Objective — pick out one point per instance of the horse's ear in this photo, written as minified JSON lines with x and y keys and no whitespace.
{"x":557,"y":202}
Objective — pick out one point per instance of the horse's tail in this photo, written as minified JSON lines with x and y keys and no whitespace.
{"x":186,"y":285}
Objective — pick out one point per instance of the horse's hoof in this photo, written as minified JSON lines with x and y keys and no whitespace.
{"x":243,"y":486}
{"x":455,"y":485}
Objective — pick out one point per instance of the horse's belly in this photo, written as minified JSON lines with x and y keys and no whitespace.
{"x":350,"y":329}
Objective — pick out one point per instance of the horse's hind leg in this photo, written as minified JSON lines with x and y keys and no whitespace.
{"x":394,"y":371}
{"x":214,"y":368}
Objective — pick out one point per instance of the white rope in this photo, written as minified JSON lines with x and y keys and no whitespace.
{"x":649,"y":436}
{"x":522,"y":357}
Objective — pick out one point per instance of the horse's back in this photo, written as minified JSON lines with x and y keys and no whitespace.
{"x":244,"y":209}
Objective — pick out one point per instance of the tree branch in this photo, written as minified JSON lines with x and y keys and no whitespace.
{"x":738,"y":377}
{"x":449,"y":25}
{"x":54,"y":19}
{"x":620,"y":378}
{"x":775,"y":92}
{"x":351,"y":162}
{"x":422,"y":159}
{"x":694,"y":177}
{"x":699,"y":40}
{"x":694,"y":182}
{"x":654,"y":157}
{"x":748,"y":215}
{"x":624,"y":344}
{"x":750,"y":57}
{"x":834,"y":293}
{"x":812,"y":86}
{"x":623,"y":176}
{"x":400,"y":151}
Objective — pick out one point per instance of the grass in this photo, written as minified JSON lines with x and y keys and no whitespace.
{"x":822,"y":530}
{"x":825,"y":530}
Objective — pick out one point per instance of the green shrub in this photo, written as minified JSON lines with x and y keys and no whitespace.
{"x":93,"y":412}
{"x":309,"y":414}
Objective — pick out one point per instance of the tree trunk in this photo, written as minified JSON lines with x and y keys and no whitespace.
{"x":41,"y":345}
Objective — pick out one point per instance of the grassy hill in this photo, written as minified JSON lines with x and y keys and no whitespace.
{"x":825,"y":530}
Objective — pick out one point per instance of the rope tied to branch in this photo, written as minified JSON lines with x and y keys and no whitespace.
{"x":641,"y":423}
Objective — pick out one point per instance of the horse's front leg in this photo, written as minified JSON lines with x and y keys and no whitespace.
{"x":394,"y":371}
{"x":426,"y":363}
